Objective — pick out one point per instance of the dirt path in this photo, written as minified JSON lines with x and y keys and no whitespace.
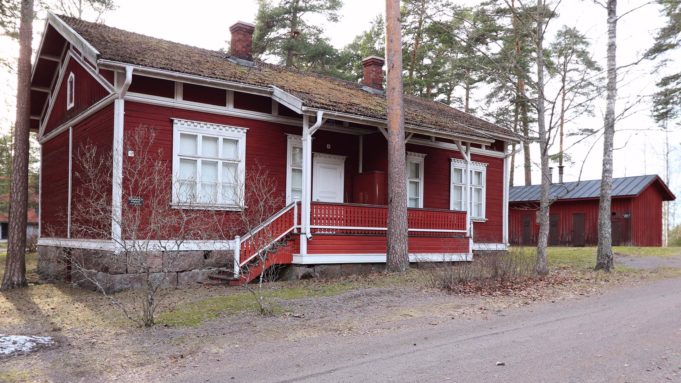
{"x":647,"y":263}
{"x":626,"y":335}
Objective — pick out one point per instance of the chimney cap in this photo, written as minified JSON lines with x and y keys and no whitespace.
{"x":371,"y":60}
{"x":242,"y":26}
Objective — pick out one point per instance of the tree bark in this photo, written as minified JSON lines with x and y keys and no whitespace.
{"x":542,"y":266}
{"x":604,"y":258}
{"x":15,"y":265}
{"x":397,"y":257}
{"x":522,"y":100}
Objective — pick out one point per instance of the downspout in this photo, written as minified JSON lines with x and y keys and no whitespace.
{"x":117,"y":171}
{"x":308,"y":131}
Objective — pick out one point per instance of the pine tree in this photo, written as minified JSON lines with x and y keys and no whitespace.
{"x":284,"y":30}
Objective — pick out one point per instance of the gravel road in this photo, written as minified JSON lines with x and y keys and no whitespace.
{"x":630,"y":334}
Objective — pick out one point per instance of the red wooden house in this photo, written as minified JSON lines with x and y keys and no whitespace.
{"x":217,"y":115}
{"x":636,"y":212}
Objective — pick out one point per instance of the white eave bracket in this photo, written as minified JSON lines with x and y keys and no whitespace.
{"x":287,"y":99}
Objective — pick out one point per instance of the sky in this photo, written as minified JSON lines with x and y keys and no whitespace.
{"x":639,"y":144}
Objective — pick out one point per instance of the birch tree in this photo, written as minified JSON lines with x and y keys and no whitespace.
{"x":397,"y":256}
{"x":15,"y":266}
{"x":604,"y":257}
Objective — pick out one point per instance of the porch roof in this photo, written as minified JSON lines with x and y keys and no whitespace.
{"x":313,"y":90}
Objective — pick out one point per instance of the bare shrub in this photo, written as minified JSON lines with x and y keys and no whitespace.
{"x":32,"y":243}
{"x":489,"y":271}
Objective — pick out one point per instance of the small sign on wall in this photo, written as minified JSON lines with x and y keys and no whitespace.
{"x":135,"y":201}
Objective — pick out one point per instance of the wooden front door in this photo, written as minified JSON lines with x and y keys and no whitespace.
{"x":527,"y":230}
{"x":554,"y":233}
{"x":621,"y":230}
{"x":578,"y":236}
{"x":328,"y":178}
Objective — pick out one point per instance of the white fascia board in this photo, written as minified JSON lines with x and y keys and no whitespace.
{"x":88,"y":51}
{"x":177,"y":76}
{"x":322,"y":259}
{"x":40,"y":48}
{"x":287,"y":99}
{"x":490,"y":246}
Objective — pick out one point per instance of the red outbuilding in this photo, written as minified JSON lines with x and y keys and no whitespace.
{"x":211,"y":121}
{"x":636,"y":212}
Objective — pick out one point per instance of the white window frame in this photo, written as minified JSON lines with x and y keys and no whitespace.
{"x":70,"y":91}
{"x":468,"y":193}
{"x":201,"y":129}
{"x":419,"y":159}
{"x":293,"y":141}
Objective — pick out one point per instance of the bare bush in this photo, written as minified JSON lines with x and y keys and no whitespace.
{"x":489,"y":271}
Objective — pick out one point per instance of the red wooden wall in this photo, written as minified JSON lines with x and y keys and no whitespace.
{"x":54,"y":174}
{"x":87,"y":92}
{"x":645,"y":211}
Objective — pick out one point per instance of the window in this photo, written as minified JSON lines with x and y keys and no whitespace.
{"x":458,"y":195}
{"x":70,"y":91}
{"x":294,"y":170}
{"x":415,"y":179}
{"x":208,"y":164}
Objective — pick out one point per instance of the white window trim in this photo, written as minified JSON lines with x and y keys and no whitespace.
{"x":418,"y":158}
{"x":468,"y":194}
{"x":222,"y":131}
{"x":292,"y":142}
{"x":70,"y":91}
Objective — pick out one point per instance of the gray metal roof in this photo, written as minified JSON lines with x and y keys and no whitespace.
{"x":621,"y":187}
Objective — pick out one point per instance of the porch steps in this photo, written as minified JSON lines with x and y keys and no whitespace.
{"x":280,"y":253}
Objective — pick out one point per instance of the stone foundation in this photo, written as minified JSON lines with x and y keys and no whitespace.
{"x":116,"y":272}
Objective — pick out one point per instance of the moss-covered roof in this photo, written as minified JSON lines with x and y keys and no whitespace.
{"x":315,"y":91}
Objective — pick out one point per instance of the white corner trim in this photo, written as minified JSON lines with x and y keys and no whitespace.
{"x":490,"y":246}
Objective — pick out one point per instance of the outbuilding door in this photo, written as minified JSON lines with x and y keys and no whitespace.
{"x":527,"y":230}
{"x":578,"y":229}
{"x":554,"y":233}
{"x":621,"y":229}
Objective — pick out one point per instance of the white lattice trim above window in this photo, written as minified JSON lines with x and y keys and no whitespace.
{"x":461,"y":162}
{"x":207,"y":126}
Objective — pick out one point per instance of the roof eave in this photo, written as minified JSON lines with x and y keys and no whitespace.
{"x":89,"y":52}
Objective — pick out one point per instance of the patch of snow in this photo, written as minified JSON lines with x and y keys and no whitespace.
{"x":20,"y":344}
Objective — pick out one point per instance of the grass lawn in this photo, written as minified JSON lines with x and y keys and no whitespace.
{"x":585,"y":257}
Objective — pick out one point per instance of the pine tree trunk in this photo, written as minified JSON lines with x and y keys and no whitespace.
{"x":522,"y":100}
{"x":542,"y":266}
{"x":604,"y":258}
{"x":397,"y":257}
{"x":15,"y":266}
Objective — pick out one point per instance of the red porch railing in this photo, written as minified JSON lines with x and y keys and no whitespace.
{"x":265,"y":235}
{"x":330,"y":218}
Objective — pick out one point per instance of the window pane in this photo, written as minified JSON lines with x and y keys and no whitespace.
{"x":297,"y":157}
{"x":477,"y":195}
{"x":209,"y":146}
{"x":457,"y":176}
{"x":209,"y":192}
{"x":413,"y":170}
{"x":413,"y":189}
{"x":413,"y":202}
{"x":296,"y":179}
{"x":229,"y":173}
{"x":188,"y":144}
{"x":457,"y":196}
{"x":230,"y":149}
{"x":297,"y":194}
{"x":477,"y":178}
{"x":209,"y":171}
{"x":229,"y":195}
{"x":186,"y":191}
{"x":187,"y":169}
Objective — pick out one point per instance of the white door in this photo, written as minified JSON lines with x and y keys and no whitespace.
{"x":327,"y":178}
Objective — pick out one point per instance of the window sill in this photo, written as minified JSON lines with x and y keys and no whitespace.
{"x":482,"y":220}
{"x":206,"y":207}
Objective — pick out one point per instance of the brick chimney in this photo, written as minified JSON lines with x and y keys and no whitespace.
{"x":373,"y":72}
{"x":242,"y":40}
